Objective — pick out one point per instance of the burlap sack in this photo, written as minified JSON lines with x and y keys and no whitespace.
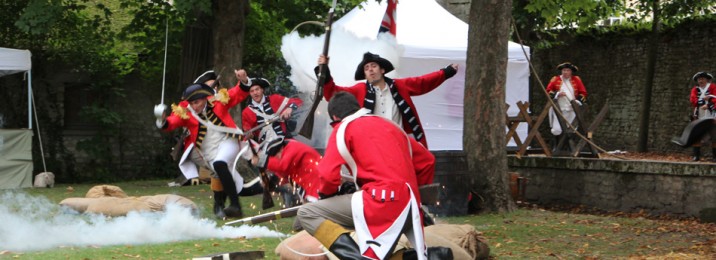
{"x":78,"y":204}
{"x":158,"y":202}
{"x":44,"y":180}
{"x":303,"y":243}
{"x":465,"y":242}
{"x":464,"y":236}
{"x":100,"y":191}
{"x":111,"y":206}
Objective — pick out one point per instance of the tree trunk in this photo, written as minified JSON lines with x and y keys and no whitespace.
{"x":642,"y":145}
{"x":484,"y":111}
{"x":228,"y":34}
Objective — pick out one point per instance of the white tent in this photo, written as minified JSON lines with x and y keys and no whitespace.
{"x":428,"y":38}
{"x":16,"y":144}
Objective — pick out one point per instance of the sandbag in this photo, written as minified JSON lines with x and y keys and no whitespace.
{"x":112,"y":201}
{"x":111,"y":206}
{"x":301,"y":242}
{"x":158,"y":202}
{"x":78,"y":204}
{"x":100,"y":191}
{"x":464,"y":236}
{"x":465,"y":242}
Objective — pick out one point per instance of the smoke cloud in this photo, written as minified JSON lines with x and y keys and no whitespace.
{"x":34,"y":223}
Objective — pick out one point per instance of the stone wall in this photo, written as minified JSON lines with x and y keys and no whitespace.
{"x":613,"y":69}
{"x":615,"y":185}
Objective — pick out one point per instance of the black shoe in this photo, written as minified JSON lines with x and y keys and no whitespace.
{"x":233,"y":212}
{"x":346,"y":248}
{"x":697,"y":154}
{"x":434,"y":252}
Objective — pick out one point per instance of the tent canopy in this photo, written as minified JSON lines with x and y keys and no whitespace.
{"x":14,"y":61}
{"x":428,"y":38}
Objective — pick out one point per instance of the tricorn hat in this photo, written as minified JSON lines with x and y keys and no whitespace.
{"x":567,"y":65}
{"x":370,"y":57}
{"x":261,"y":82}
{"x":702,"y":74}
{"x":197,"y":91}
{"x":274,"y":145}
{"x":206,"y":76}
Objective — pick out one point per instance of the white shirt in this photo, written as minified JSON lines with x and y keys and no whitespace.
{"x":385,"y":105}
{"x":568,"y":90}
{"x":260,"y":106}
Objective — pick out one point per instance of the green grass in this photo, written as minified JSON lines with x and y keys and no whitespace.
{"x":525,"y":233}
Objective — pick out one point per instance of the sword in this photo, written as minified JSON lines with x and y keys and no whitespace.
{"x":428,"y":196}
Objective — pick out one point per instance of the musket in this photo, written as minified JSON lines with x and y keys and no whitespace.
{"x":428,"y":194}
{"x":307,"y":128}
{"x":274,"y":215}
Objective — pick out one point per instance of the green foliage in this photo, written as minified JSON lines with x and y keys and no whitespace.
{"x":581,"y":14}
{"x":542,"y":18}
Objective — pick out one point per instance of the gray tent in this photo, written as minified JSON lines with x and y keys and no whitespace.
{"x":16,"y":144}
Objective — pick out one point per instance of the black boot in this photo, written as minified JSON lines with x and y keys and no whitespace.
{"x":219,"y":201}
{"x":434,"y":252}
{"x":697,"y":154}
{"x":337,"y":240}
{"x":713,"y":154}
{"x":234,"y":209}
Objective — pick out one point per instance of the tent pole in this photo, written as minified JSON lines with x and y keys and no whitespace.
{"x":29,"y":99}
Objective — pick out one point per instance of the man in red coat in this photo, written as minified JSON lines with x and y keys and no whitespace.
{"x":378,"y":156}
{"x":564,"y":89}
{"x":294,"y":162}
{"x":386,"y":97}
{"x":263,"y":109}
{"x":703,"y":101}
{"x":213,"y":136}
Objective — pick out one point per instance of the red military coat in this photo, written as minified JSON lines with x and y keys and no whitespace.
{"x":383,"y":168}
{"x":555,"y":84}
{"x":299,"y":163}
{"x":407,"y":87}
{"x":248,"y":117}
{"x":219,"y":103}
{"x":696,"y":93}
{"x":424,"y":163}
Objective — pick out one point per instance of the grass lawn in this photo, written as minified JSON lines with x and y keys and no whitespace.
{"x":529,"y":232}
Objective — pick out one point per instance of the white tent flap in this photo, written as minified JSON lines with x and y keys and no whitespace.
{"x":427,"y":38}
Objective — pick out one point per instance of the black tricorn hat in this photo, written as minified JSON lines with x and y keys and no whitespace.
{"x":206,"y":76}
{"x":567,"y":65}
{"x":197,"y":91}
{"x":702,"y":74}
{"x":261,"y":82}
{"x":370,"y":57}
{"x":274,"y":145}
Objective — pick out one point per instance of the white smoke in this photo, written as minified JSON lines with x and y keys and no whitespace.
{"x":345,"y":53}
{"x":34,"y":223}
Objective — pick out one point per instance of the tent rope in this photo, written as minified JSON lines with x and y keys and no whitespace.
{"x":39,"y":134}
{"x":551,"y":102}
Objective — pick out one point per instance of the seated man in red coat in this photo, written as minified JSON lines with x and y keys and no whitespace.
{"x":270,"y":110}
{"x":377,"y":154}
{"x":386,"y":97}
